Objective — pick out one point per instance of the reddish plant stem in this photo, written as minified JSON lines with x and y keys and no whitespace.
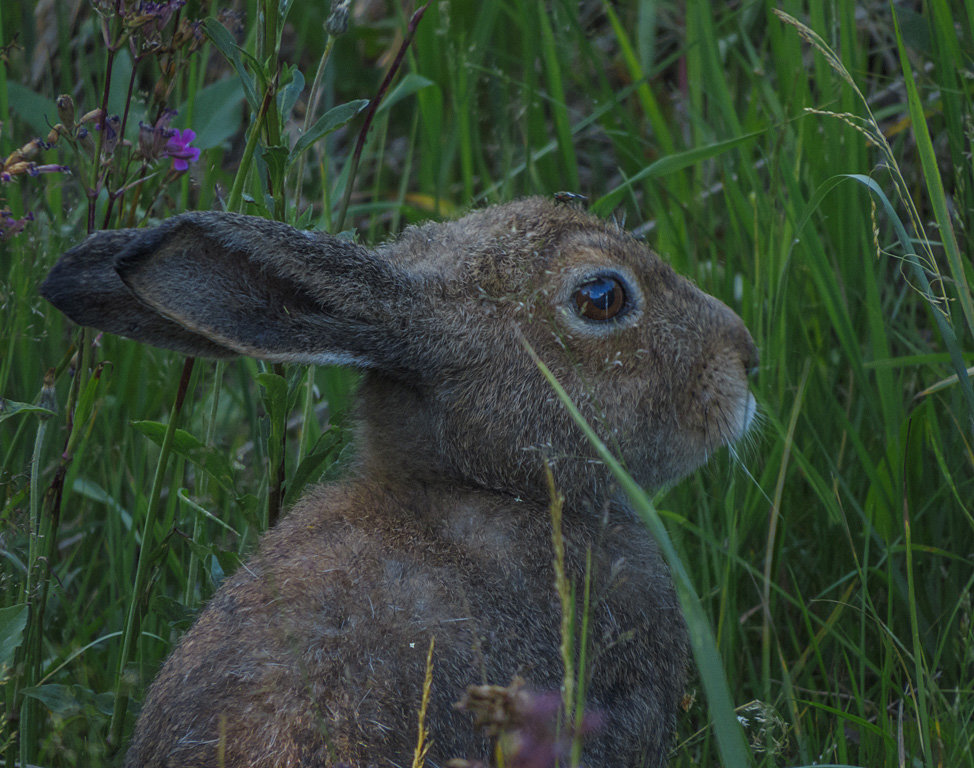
{"x":373,"y":108}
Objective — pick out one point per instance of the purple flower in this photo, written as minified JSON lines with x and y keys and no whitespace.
{"x":179,"y":149}
{"x":9,"y":226}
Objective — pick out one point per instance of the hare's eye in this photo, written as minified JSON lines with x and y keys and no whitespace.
{"x":600,"y":299}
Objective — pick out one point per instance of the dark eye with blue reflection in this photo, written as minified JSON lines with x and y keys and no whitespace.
{"x":600,"y":299}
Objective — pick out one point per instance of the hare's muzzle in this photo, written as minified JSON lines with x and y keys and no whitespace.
{"x":720,"y":400}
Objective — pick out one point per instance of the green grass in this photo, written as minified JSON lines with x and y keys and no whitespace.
{"x":820,"y":184}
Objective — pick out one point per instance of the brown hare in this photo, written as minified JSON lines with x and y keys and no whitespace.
{"x":313,"y":654}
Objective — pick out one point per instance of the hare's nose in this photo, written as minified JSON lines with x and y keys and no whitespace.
{"x":738,"y":338}
{"x":750,"y":357}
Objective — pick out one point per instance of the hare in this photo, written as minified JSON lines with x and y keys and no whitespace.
{"x":314,"y":653}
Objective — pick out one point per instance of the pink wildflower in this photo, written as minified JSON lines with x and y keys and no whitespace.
{"x":179,"y":149}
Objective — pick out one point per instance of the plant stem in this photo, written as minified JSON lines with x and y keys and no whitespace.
{"x":145,"y":556}
{"x":38,"y":570}
{"x":373,"y":107}
{"x":236,"y":191}
{"x":204,"y":482}
{"x":313,"y":97}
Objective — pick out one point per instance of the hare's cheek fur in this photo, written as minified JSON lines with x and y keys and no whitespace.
{"x":666,"y":379}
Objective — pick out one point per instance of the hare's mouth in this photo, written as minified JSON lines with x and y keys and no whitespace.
{"x":748,"y":412}
{"x":739,"y":418}
{"x":726,"y":419}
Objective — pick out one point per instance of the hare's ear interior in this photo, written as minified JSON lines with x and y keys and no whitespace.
{"x":254,"y":287}
{"x":85,"y":286}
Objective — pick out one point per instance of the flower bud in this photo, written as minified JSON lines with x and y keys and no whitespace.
{"x":86,"y":141}
{"x":94,"y":115}
{"x":337,"y":23}
{"x":111,"y":134}
{"x":65,"y":110}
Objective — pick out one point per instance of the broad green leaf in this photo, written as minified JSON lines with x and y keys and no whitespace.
{"x":276,"y":159}
{"x":10,"y":408}
{"x":187,"y":445}
{"x":71,"y":700}
{"x":13,"y":620}
{"x":33,"y":108}
{"x":290,"y":93}
{"x":177,"y":615}
{"x":310,"y":469}
{"x":85,"y":409}
{"x":118,"y":94}
{"x":91,"y":490}
{"x":219,"y":118}
{"x":406,"y":87}
{"x":332,"y":120}
{"x":273,"y":394}
{"x":233,"y":53}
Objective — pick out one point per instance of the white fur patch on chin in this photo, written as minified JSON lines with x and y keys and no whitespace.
{"x":750,"y":411}
{"x":742,"y":418}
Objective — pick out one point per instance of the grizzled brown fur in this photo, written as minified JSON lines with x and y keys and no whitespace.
{"x":313,"y":653}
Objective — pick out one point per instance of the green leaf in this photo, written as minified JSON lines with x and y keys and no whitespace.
{"x":276,"y":159}
{"x":71,"y":700}
{"x":410,"y":84}
{"x":118,"y":93}
{"x":13,"y":620}
{"x":188,"y":446}
{"x":10,"y":408}
{"x":177,"y":615}
{"x":290,"y":94}
{"x":201,"y":510}
{"x":222,"y":562}
{"x":85,"y":409}
{"x":233,"y":53}
{"x":311,"y":468}
{"x":33,"y":108}
{"x":91,"y":490}
{"x":332,"y":120}
{"x":219,"y":118}
{"x":274,"y":394}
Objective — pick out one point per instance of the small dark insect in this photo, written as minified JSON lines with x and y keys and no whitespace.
{"x":570,"y":197}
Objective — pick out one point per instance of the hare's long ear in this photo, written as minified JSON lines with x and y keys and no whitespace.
{"x":85,"y":286}
{"x":212,"y":283}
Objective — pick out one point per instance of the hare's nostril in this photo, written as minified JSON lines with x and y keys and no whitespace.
{"x":751,"y":360}
{"x":750,"y":357}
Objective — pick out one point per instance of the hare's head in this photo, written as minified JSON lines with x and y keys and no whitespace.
{"x":441,"y":320}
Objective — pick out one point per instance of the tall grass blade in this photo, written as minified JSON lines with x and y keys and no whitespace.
{"x":935,"y":186}
{"x":730,"y":737}
{"x":918,"y":270}
{"x":668,"y":164}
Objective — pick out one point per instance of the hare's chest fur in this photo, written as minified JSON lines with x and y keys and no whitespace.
{"x":340,"y":612}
